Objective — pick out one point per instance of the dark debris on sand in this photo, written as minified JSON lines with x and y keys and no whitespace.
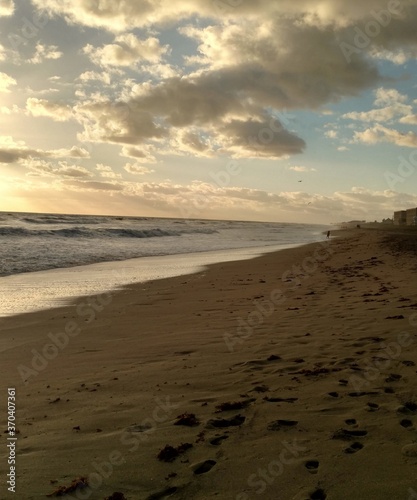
{"x":77,"y":484}
{"x":401,"y":243}
{"x":316,"y":371}
{"x":116,"y":496}
{"x":236,"y":405}
{"x":169,"y":453}
{"x":187,"y":419}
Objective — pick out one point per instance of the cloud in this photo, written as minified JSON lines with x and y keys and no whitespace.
{"x":55,"y":110}
{"x":256,"y":138}
{"x":378,"y":134}
{"x":127,"y":14}
{"x":43,"y":52}
{"x":137,"y":169}
{"x":409,"y":119}
{"x":143,"y":154}
{"x":107,"y":172}
{"x":6,"y":7}
{"x":12,"y":151}
{"x":116,"y":122}
{"x":253,"y":61}
{"x":127,"y":50}
{"x":94,"y":185}
{"x":103,"y":77}
{"x":42,"y":168}
{"x":74,"y":152}
{"x":302,"y":169}
{"x":6,"y":82}
{"x":2,"y":53}
{"x":393,"y":106}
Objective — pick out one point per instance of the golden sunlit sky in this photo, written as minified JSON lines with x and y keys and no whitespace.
{"x":292,"y":111}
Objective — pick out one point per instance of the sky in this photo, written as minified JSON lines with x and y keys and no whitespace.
{"x":286,"y":111}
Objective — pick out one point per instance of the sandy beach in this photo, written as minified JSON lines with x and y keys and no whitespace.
{"x":288,"y":376}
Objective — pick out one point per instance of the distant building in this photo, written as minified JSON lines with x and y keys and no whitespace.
{"x":352,"y":223}
{"x":400,"y":217}
{"x":411,"y":217}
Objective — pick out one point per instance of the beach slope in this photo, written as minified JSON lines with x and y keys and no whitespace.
{"x":292,"y":375}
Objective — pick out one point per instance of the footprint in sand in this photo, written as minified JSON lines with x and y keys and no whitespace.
{"x":277,"y":425}
{"x":312,"y":466}
{"x":350,"y":421}
{"x":280,"y":400}
{"x":353,"y":448}
{"x":333,"y":394}
{"x":163,"y":494}
{"x":218,"y":440}
{"x":204,"y":467}
{"x":408,"y":407}
{"x":406,"y":423}
{"x":358,"y":394}
{"x":347,"y":434}
{"x":226,"y":422}
{"x":318,"y":494}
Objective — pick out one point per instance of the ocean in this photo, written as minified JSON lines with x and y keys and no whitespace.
{"x":47,"y":258}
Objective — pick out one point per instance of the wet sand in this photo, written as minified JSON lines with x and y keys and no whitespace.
{"x":292,"y":375}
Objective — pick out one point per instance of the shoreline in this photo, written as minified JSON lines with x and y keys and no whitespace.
{"x":276,"y":334}
{"x":46,"y":292}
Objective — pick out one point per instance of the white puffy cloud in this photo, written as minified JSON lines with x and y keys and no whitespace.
{"x":379,"y":115}
{"x":137,"y":169}
{"x":2,"y":53}
{"x":394,"y":109}
{"x":409,"y":119}
{"x":107,"y":172}
{"x":393,"y":106}
{"x":6,"y":82}
{"x":300,"y":168}
{"x":103,"y":77}
{"x":44,"y":52}
{"x":74,"y":152}
{"x":6,"y":7}
{"x":379,"y":133}
{"x":58,"y":111}
{"x":254,"y":60}
{"x":126,"y":50}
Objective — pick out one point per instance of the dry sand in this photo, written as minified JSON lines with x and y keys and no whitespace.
{"x":319,"y":361}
